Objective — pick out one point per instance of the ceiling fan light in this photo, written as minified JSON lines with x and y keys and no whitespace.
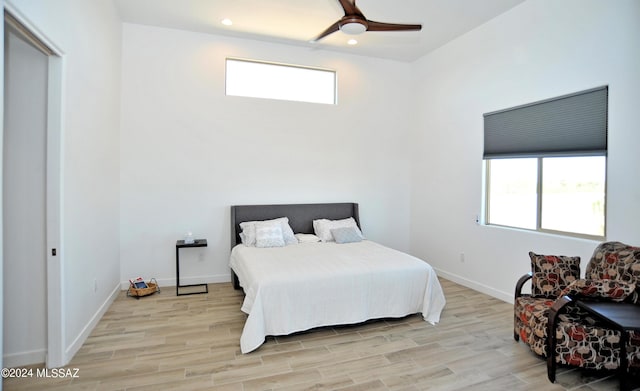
{"x":353,"y":28}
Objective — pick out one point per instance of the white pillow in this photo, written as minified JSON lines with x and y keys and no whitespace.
{"x":307,"y":238}
{"x":269,"y":234}
{"x":248,"y":234}
{"x":323,"y":227}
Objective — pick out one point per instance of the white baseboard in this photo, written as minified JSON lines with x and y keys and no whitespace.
{"x":21,"y":359}
{"x":211,"y":279}
{"x":86,"y":331}
{"x":504,"y":296}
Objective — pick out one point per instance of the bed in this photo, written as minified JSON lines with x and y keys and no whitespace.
{"x":302,"y":286}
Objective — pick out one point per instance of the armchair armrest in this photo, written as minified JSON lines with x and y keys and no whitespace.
{"x":613,"y":290}
{"x":520,"y":284}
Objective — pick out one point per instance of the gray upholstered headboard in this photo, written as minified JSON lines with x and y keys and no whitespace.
{"x":300,"y":216}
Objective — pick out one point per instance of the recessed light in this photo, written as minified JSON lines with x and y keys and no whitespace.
{"x":352,"y":42}
{"x":227,"y":22}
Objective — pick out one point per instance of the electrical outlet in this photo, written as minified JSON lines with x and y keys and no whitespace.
{"x":95,"y":285}
{"x":462,"y":257}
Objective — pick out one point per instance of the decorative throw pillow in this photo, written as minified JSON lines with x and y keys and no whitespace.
{"x":269,"y":234}
{"x":551,"y":274}
{"x":323,"y":227}
{"x":346,"y":235}
{"x":248,"y":234}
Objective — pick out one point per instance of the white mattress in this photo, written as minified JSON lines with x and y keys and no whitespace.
{"x":307,"y":285}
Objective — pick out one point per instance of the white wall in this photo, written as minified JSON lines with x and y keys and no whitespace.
{"x":188,"y":152}
{"x":89,"y":35}
{"x":537,"y":50}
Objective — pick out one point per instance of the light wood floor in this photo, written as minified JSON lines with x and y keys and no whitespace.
{"x":164,"y":342}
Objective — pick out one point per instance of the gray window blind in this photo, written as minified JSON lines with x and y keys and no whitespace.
{"x":569,"y":125}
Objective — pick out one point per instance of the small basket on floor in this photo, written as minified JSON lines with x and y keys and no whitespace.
{"x":152,"y":287}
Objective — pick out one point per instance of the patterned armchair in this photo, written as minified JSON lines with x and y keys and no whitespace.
{"x":579,"y":339}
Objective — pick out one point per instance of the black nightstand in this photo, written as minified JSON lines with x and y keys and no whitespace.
{"x":180,"y":244}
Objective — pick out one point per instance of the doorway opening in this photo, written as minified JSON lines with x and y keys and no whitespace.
{"x":32,"y":262}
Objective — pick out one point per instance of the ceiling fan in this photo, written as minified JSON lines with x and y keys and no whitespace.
{"x":354,"y":22}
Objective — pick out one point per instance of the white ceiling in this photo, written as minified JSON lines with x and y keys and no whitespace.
{"x":296,"y":22}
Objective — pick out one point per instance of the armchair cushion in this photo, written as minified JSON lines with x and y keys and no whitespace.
{"x":600,"y":289}
{"x":551,"y":274}
{"x":583,"y":340}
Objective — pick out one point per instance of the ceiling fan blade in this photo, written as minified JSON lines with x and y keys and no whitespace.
{"x":349,"y":7}
{"x":380,"y":26}
{"x":332,"y":29}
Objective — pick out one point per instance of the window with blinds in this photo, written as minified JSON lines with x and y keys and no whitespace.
{"x":546,"y":164}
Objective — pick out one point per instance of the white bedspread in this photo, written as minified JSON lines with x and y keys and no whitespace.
{"x":307,"y":285}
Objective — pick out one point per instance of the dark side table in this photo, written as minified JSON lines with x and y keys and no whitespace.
{"x":181,"y":244}
{"x":623,"y":317}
